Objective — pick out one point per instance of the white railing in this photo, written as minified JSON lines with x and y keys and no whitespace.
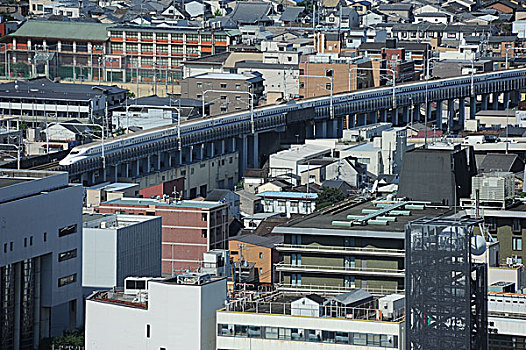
{"x":336,"y":269}
{"x":356,"y":250}
{"x":317,"y":288}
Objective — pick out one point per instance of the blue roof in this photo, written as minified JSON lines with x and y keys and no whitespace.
{"x":291,"y":195}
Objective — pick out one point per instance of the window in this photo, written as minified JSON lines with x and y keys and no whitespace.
{"x":260,"y":255}
{"x":132,"y":47}
{"x":147,"y":48}
{"x":147,"y":35}
{"x":254,"y":332}
{"x":63,"y":281}
{"x":162,"y":48}
{"x":285,"y":333}
{"x":223,"y":86}
{"x":204,"y":217}
{"x":5,"y":247}
{"x":70,"y":254}
{"x":328,"y":86}
{"x":516,"y":226}
{"x":192,"y":37}
{"x":516,"y":243}
{"x":206,"y":37}
{"x":203,"y":233}
{"x":116,"y":34}
{"x":66,"y":230}
{"x":147,"y":331}
{"x":271,"y":332}
{"x":492,"y":224}
{"x":116,"y":46}
{"x":162,"y":36}
{"x":241,"y":331}
{"x":132,"y":35}
{"x":329,"y":73}
{"x":327,"y":337}
{"x":224,"y":96}
{"x":25,"y":242}
{"x":177,"y":36}
{"x":45,"y":236}
{"x":238,"y":86}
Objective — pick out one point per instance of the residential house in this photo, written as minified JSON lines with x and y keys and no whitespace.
{"x":288,"y":203}
{"x":226,"y":196}
{"x":249,"y":203}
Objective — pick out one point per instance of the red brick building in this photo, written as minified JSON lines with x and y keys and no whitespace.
{"x":189,"y":228}
{"x":166,"y":188}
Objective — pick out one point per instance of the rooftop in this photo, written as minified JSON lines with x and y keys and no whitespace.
{"x":263,"y":241}
{"x":112,"y":187}
{"x":345,"y":221}
{"x":364,"y":305}
{"x":112,"y":221}
{"x":87,"y":31}
{"x":159,"y":203}
{"x":15,"y":184}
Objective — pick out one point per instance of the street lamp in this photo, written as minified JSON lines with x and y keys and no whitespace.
{"x":235,"y":92}
{"x":18,"y":150}
{"x":331,"y":78}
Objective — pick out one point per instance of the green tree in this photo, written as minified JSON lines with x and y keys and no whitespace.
{"x":329,"y":196}
{"x":217,"y":13}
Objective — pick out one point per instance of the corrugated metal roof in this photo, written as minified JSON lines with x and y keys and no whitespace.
{"x":57,"y":30}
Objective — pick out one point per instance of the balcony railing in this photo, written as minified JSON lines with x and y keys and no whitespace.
{"x":340,"y":270}
{"x":318,"y":288}
{"x":340,"y":250}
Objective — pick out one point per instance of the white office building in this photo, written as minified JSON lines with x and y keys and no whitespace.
{"x":117,"y":246}
{"x":292,"y":321}
{"x":173,"y":313}
{"x":40,"y":265}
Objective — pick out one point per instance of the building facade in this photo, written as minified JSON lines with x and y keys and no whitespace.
{"x":189,"y":228}
{"x":174,"y":313}
{"x":118,"y":246}
{"x":40,"y":260}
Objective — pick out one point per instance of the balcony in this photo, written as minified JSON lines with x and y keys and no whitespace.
{"x":399,"y":253}
{"x":340,"y":270}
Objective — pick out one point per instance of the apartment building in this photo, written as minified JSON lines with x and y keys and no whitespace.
{"x":506,"y":320}
{"x":288,"y":202}
{"x":225,"y":92}
{"x":40,"y":253}
{"x":172,"y":313}
{"x":118,"y":246}
{"x":155,"y":54}
{"x":312,"y":321}
{"x":189,"y":228}
{"x":354,"y":245}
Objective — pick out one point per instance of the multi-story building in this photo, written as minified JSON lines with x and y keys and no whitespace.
{"x":288,"y":202}
{"x":189,"y":228}
{"x":172,"y":313}
{"x":118,"y":246}
{"x":353,"y":320}
{"x":506,"y":321}
{"x":156,"y":53}
{"x":40,"y":265}
{"x":225,"y":92}
{"x":69,"y":50}
{"x":260,"y":250}
{"x":319,"y":74}
{"x":42,"y":100}
{"x":416,"y":52}
{"x":354,"y":245}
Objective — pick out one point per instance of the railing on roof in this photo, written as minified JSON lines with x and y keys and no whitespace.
{"x":341,"y":269}
{"x":318,"y":288}
{"x":335,"y":249}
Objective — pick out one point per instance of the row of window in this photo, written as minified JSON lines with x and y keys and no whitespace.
{"x":164,"y":36}
{"x":63,"y":231}
{"x":308,"y":335}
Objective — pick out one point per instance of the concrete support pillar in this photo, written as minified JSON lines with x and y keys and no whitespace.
{"x":180,"y":157}
{"x":243,"y":157}
{"x":115,"y":173}
{"x":255,"y":149}
{"x":373,"y":117}
{"x":462,"y":112}
{"x":394,"y":116}
{"x":212,"y":149}
{"x":515,"y":98}
{"x":352,"y":121}
{"x":472,"y":107}
{"x":137,"y":167}
{"x":334,"y":128}
{"x":233,"y":144}
{"x":202,"y":152}
{"x":495,"y":101}
{"x":158,"y":161}
{"x":191,"y":154}
{"x":361,"y":119}
{"x":406,"y":117}
{"x":450,"y":113}
{"x":149,"y":165}
{"x":104,"y":174}
{"x":222,"y":147}
{"x":127,"y":169}
{"x":383,"y":115}
{"x":438,"y":121}
{"x":324,"y":129}
{"x":484,"y":104}
{"x":341,"y":126}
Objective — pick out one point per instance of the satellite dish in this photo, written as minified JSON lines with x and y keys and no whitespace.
{"x":478,"y":245}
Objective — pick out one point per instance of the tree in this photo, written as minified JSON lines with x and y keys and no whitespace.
{"x":217,"y":13}
{"x":329,"y":196}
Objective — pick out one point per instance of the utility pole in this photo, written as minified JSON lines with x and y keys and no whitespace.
{"x":241,"y":247}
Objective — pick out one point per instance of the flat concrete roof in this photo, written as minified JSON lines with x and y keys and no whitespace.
{"x":320,"y":223}
{"x":148,"y":202}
